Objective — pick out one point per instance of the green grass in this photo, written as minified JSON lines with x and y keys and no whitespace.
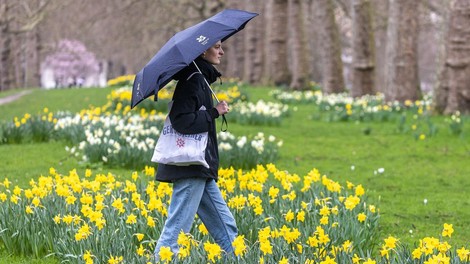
{"x":8,"y":259}
{"x":11,"y":92}
{"x":72,"y":100}
{"x":435,"y":169}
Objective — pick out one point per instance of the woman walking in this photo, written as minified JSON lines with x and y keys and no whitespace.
{"x":194,"y":187}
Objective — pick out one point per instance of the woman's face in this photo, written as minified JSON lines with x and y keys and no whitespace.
{"x":214,"y":53}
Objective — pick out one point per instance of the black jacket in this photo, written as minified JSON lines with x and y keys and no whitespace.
{"x":191,"y":93}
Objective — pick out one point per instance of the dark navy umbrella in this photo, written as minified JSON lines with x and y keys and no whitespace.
{"x":183,"y":48}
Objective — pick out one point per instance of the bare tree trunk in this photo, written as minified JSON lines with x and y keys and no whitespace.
{"x":234,"y":57}
{"x":18,"y":21}
{"x":268,"y":59}
{"x":260,"y":42}
{"x":233,"y":48}
{"x":380,"y":8}
{"x":333,"y":80}
{"x":363,"y":72}
{"x":250,"y":48}
{"x":441,"y":86}
{"x":278,"y":43}
{"x":253,"y":45}
{"x":314,"y":52}
{"x":457,"y":63}
{"x":402,"y":82}
{"x":19,"y":60}
{"x":298,"y":43}
{"x":442,"y":90}
{"x":5,"y":47}
{"x":36,"y":79}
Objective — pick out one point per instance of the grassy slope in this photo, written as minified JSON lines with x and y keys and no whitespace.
{"x":435,"y":169}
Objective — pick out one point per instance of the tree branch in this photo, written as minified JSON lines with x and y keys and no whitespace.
{"x":344,"y":6}
{"x":33,"y":16}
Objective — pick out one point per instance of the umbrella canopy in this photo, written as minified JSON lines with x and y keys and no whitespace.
{"x":183,"y":48}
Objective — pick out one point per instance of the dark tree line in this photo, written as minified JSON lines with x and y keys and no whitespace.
{"x":401,"y":48}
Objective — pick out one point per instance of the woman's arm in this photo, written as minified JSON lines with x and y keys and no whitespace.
{"x":185,"y":115}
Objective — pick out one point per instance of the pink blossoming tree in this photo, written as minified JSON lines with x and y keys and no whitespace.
{"x":71,"y":62}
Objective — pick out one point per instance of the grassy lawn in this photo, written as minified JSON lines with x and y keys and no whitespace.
{"x":435,"y":170}
{"x":72,"y":100}
{"x":11,"y":92}
{"x":7,"y":259}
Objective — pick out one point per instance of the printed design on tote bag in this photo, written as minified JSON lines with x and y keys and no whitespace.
{"x":180,"y":142}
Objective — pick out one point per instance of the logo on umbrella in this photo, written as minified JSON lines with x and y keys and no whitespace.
{"x":180,"y":142}
{"x":202,"y":39}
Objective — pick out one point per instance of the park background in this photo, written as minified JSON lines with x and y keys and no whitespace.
{"x":413,"y":165}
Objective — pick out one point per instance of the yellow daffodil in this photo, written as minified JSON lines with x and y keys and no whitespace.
{"x":361,"y":217}
{"x":416,"y":253}
{"x":100,"y":223}
{"x":369,"y":261}
{"x":14,"y":199}
{"x":82,"y":233}
{"x":347,"y":246}
{"x":88,"y":257}
{"x":36,"y":201}
{"x":328,"y":260}
{"x":265,"y":247}
{"x":29,"y":210}
{"x":131,"y":219}
{"x":119,"y":205}
{"x":3,"y":196}
{"x":384,"y":252}
{"x":356,"y":259}
{"x":258,"y":210}
{"x":70,"y":199}
{"x":239,"y":245}
{"x":464,"y":254}
{"x":351,"y":202}
{"x":301,"y":216}
{"x":359,"y":190}
{"x":289,"y":216}
{"x":115,"y":260}
{"x":213,"y":251}
{"x":202,"y":228}
{"x":140,"y":250}
{"x":391,"y":242}
{"x":324,"y":220}
{"x":448,"y":230}
{"x":325,"y":211}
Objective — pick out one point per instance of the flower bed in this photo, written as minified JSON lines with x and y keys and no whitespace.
{"x":411,"y":117}
{"x":282,"y":218}
{"x":127,"y":140}
{"x":117,"y":136}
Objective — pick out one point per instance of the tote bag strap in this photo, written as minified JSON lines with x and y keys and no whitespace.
{"x":224,"y":120}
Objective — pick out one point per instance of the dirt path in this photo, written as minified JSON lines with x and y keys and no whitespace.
{"x":13,"y":97}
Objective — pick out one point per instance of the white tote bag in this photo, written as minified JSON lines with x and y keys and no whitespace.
{"x":174,"y":148}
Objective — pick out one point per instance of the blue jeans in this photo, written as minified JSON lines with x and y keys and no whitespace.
{"x":201,"y":196}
